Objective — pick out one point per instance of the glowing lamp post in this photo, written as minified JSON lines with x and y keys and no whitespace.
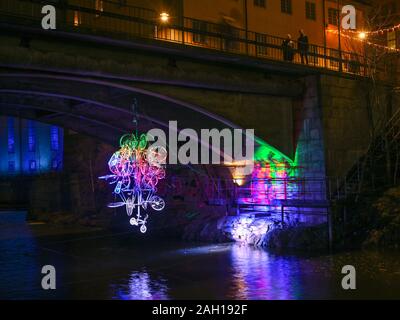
{"x":362,"y":35}
{"x":164,"y":17}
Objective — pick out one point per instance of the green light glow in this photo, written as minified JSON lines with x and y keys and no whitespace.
{"x":270,"y":177}
{"x":276,"y":160}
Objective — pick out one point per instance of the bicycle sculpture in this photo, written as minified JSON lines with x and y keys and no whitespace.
{"x":136,"y":171}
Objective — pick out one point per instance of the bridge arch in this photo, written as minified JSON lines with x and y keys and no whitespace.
{"x":102,"y":107}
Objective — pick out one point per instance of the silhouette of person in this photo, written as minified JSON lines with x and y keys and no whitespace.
{"x":303,"y":46}
{"x":288,"y":48}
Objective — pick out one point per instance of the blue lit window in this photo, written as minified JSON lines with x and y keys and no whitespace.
{"x":54,"y":164}
{"x":11,"y":166}
{"x":32,"y":165}
{"x":11,"y":135}
{"x":54,"y":138}
{"x":31,"y":136}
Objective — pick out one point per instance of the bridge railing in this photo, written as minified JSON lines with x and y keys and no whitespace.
{"x":279,"y":189}
{"x":275,"y":190}
{"x":111,"y":19}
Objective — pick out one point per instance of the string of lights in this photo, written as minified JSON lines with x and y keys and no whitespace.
{"x":378,"y":32}
{"x":363,"y":38}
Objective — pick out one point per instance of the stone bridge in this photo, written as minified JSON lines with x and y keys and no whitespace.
{"x":87,"y":82}
{"x":55,"y":81}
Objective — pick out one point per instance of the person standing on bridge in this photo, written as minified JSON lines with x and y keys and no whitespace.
{"x":288,"y":49}
{"x":303,"y":46}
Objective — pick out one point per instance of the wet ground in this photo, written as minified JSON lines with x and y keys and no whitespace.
{"x":98,"y":265}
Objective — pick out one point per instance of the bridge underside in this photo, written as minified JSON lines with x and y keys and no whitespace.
{"x":224,"y":88}
{"x":99,"y":104}
{"x":95,"y":108}
{"x":103,"y":109}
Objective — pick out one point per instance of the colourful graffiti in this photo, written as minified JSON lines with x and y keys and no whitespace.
{"x":270,"y":181}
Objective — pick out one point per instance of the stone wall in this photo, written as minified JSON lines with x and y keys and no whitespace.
{"x":309,"y":132}
{"x":335,"y":122}
{"x":271,"y":117}
{"x":352,"y":110}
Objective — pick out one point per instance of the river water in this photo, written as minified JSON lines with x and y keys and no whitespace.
{"x":118,"y":266}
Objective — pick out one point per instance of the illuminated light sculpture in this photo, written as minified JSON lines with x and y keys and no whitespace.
{"x":136,"y":171}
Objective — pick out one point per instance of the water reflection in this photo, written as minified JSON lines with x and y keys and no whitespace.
{"x":17,"y":253}
{"x":104,"y":267}
{"x":260,"y":276}
{"x":141,"y":287}
{"x":205,"y":250}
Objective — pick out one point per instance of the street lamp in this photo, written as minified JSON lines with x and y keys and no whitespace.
{"x":164,"y":17}
{"x":362,"y":35}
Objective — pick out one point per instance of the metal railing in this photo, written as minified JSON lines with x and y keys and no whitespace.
{"x":130,"y":23}
{"x":274,"y":191}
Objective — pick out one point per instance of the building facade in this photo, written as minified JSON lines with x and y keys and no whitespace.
{"x":251,"y":27}
{"x":264,"y":17}
{"x":278,"y":17}
{"x":29,"y":147}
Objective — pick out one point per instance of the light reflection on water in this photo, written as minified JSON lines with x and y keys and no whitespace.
{"x":141,"y":287}
{"x":10,"y":263}
{"x":115,"y":267}
{"x":255,"y":277}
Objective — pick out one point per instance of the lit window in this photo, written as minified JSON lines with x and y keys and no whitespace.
{"x":333,"y":16}
{"x":311,"y":11}
{"x":54,"y":138}
{"x":99,"y":6}
{"x":32,"y":165}
{"x":54,"y":164}
{"x":286,"y":6}
{"x":11,"y":166}
{"x":77,"y":18}
{"x":31,"y":136}
{"x":392,"y":40}
{"x":11,"y":135}
{"x":260,"y":3}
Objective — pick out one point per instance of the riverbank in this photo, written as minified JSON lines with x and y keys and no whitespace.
{"x":373,"y":222}
{"x":15,"y":225}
